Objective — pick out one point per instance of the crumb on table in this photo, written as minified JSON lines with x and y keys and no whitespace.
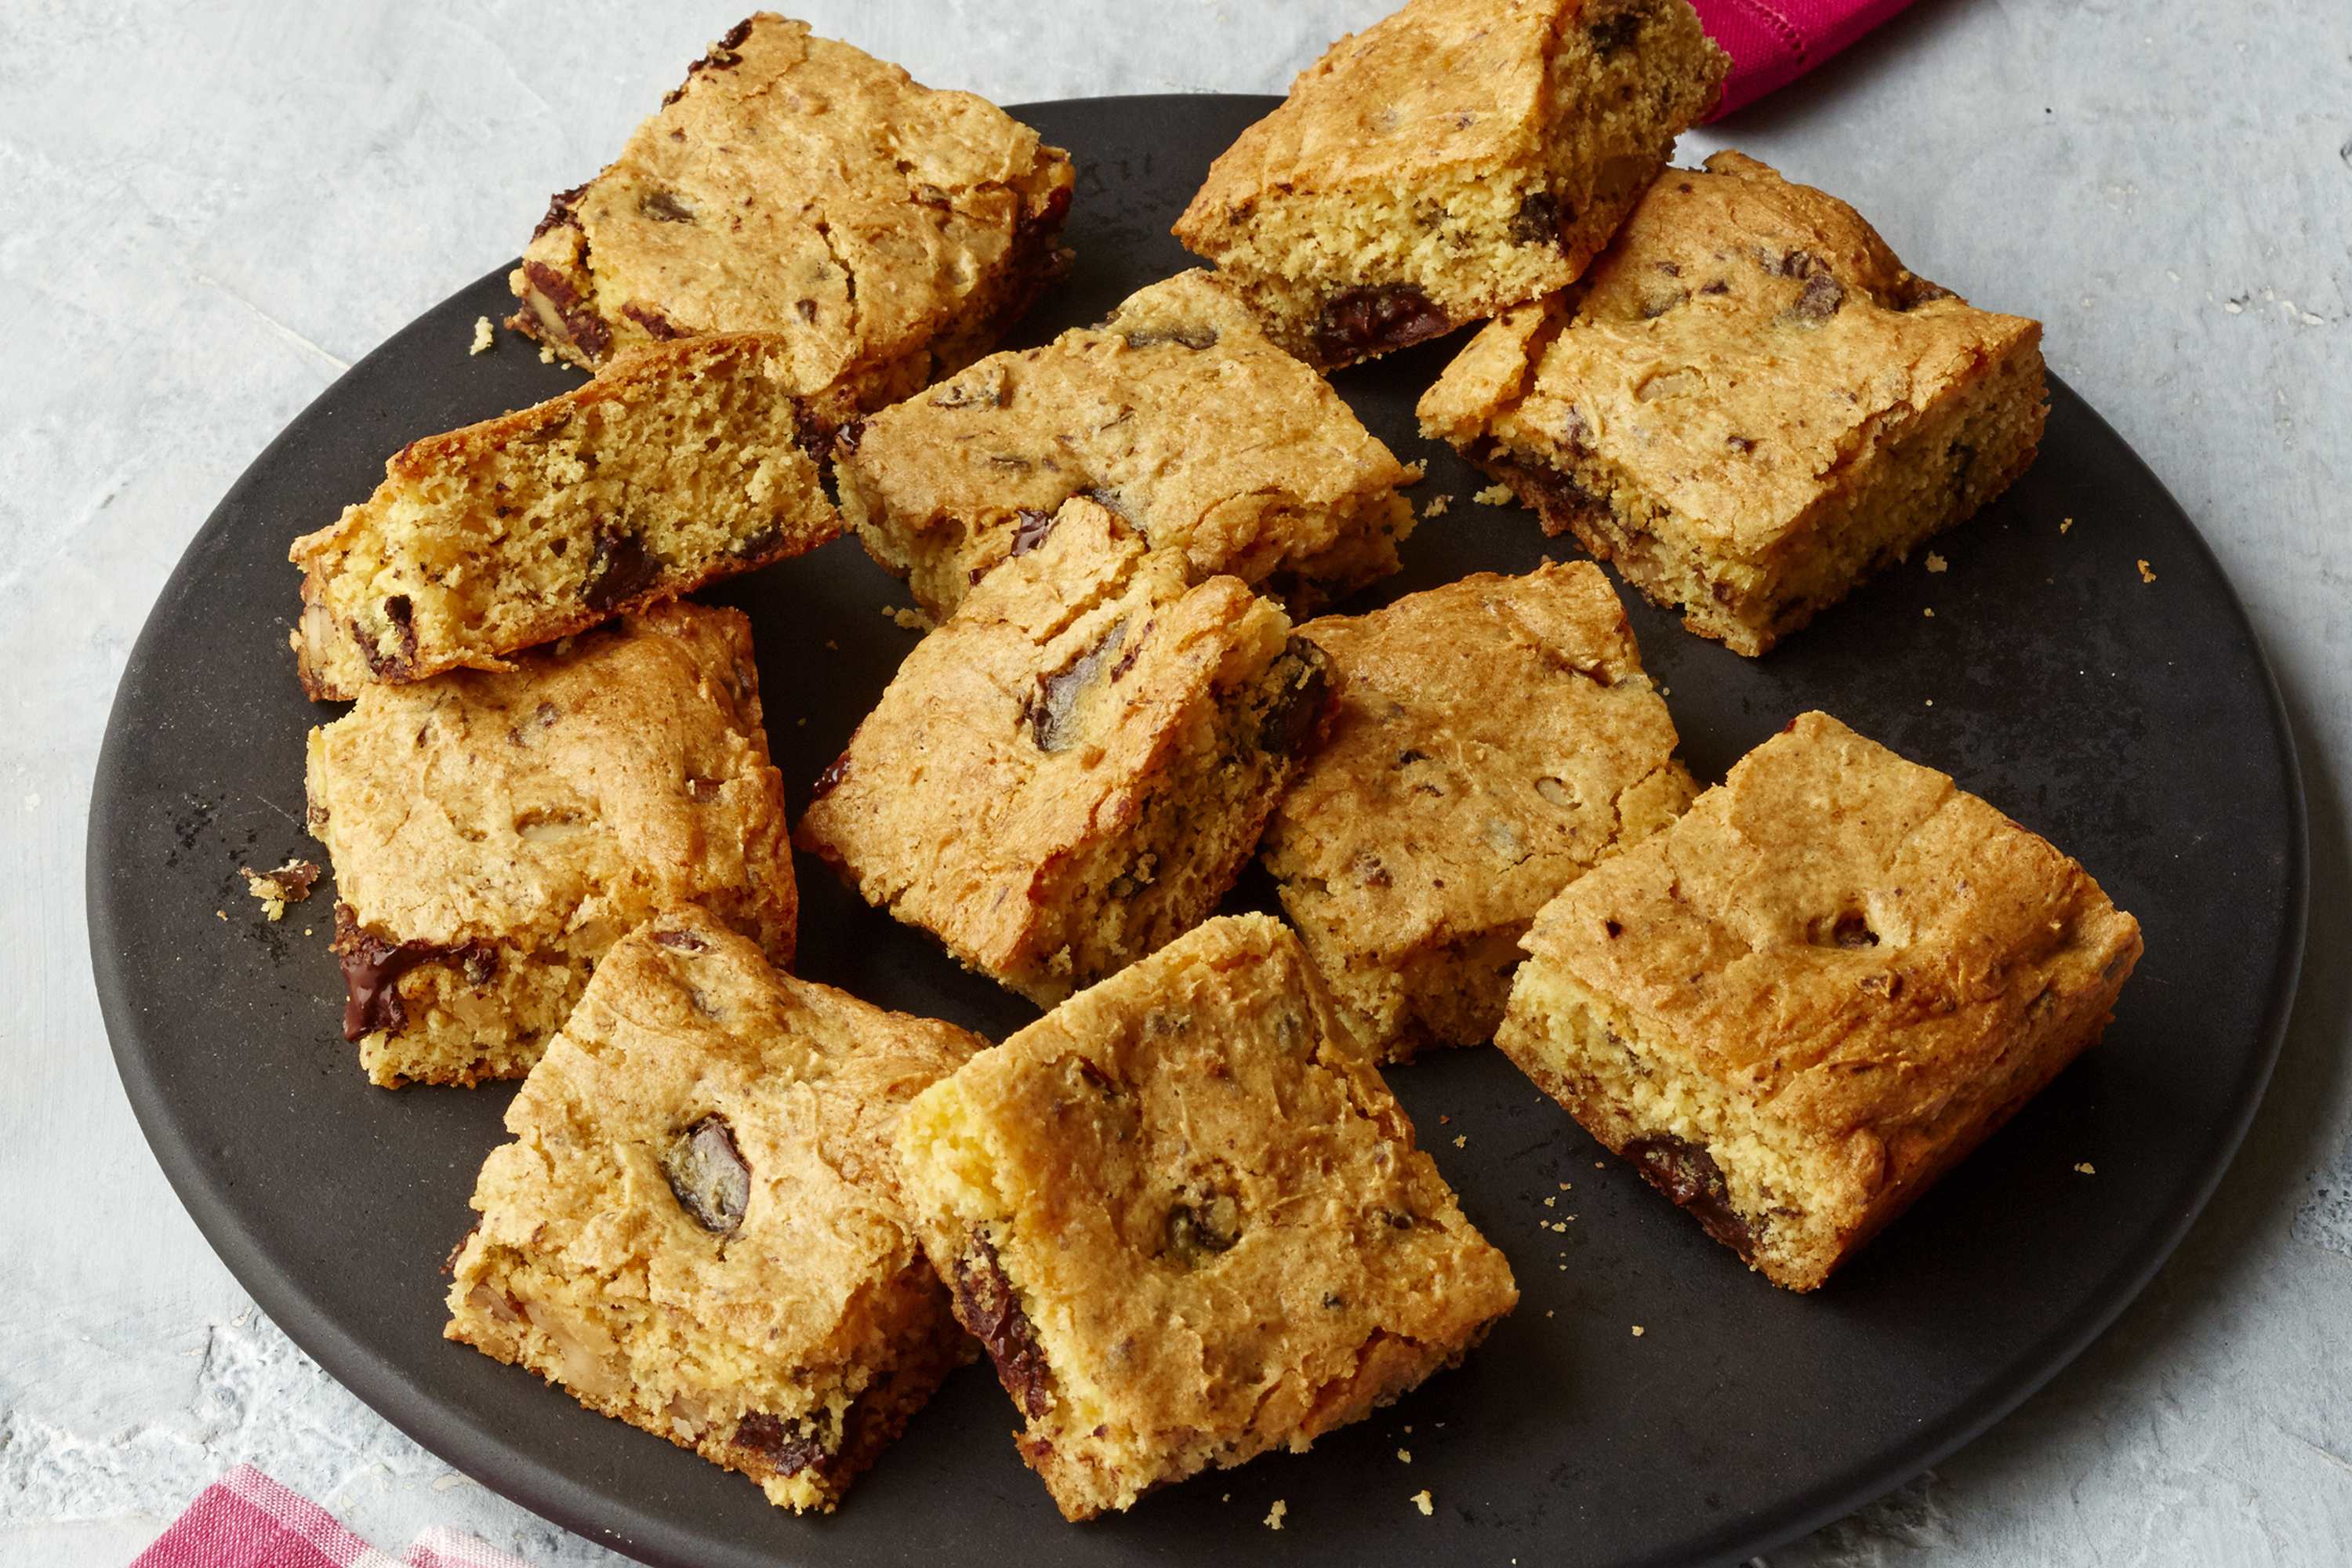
{"x":289,"y":884}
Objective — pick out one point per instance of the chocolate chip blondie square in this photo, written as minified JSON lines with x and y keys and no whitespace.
{"x":1074,"y":769}
{"x":1494,"y":739}
{"x":698,"y":1227}
{"x":886,"y":231}
{"x":1188,"y":1221}
{"x":1461,"y":157}
{"x":671,"y":469}
{"x":1177,"y":413}
{"x":1816,"y":993}
{"x":1749,"y":404}
{"x":493,"y":833}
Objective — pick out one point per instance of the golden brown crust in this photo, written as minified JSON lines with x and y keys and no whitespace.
{"x":795,"y":186}
{"x":1749,"y":404}
{"x":1837,"y":972}
{"x":1495,"y":738}
{"x":670,"y":469}
{"x":1177,"y":412}
{"x":697,"y":1228}
{"x":1188,"y":1219}
{"x":527,"y":819}
{"x":1455,"y":159}
{"x":1075,"y":768}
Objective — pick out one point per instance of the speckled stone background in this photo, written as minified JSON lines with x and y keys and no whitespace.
{"x":207,"y":211}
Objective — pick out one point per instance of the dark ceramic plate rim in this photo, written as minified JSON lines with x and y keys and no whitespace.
{"x":621,"y":1524}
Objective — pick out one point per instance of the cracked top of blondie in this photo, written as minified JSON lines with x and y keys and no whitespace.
{"x":798,"y":185}
{"x":1742,"y":342}
{"x":603,"y":778}
{"x":1837,"y":932}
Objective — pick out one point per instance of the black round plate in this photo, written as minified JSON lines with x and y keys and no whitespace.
{"x":2133,"y":723}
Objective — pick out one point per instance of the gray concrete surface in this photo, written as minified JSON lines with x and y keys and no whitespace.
{"x":207,"y":210}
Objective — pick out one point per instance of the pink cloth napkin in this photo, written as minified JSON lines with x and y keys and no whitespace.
{"x":1773,"y":42}
{"x":245,"y":1520}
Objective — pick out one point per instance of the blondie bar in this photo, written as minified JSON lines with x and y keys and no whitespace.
{"x":884,"y":231}
{"x":493,"y":833}
{"x":1177,"y":413}
{"x":1461,"y":157}
{"x":698,"y":1227}
{"x":1749,"y":404}
{"x":1187,"y":1220}
{"x":1074,"y":769}
{"x":1817,"y":992}
{"x":1495,"y":738}
{"x":673,"y":469}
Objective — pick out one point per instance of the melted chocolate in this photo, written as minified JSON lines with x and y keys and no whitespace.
{"x":1688,"y":1175}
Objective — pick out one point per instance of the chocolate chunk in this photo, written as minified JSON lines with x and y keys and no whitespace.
{"x":1053,"y":711}
{"x":722,"y":57}
{"x":663,"y":206}
{"x":830,"y":780}
{"x":1611,"y":36}
{"x":789,"y":1449}
{"x":551,"y":290}
{"x":1574,"y":432}
{"x":1190,"y":337}
{"x":1539,"y":219}
{"x":622,"y":570}
{"x":397,"y":664}
{"x":761,"y":545}
{"x":1374,"y":320}
{"x":1296,"y":717}
{"x":708,"y":1176}
{"x":683,"y":941}
{"x":562,"y":211}
{"x":845,"y":439}
{"x":1560,"y":499}
{"x":1203,"y":1227}
{"x":1031,"y":530}
{"x":1819,"y":299}
{"x":1718,"y":286}
{"x":654,"y":323}
{"x":1852,"y":930}
{"x":702,"y":791}
{"x":1739,"y":443}
{"x":986,"y":1305}
{"x":1964,"y":457}
{"x":1688,"y":1175}
{"x":373,"y":966}
{"x":1915,"y":292}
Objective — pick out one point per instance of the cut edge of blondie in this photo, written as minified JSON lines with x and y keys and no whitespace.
{"x":478,"y":543}
{"x":1455,"y":990}
{"x":1096,"y":913}
{"x":1956,"y":457}
{"x":1792,"y":1205}
{"x":810,"y":1436}
{"x":1509,"y":235}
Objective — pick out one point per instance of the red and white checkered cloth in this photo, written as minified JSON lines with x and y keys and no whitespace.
{"x":1773,"y":42}
{"x":245,"y":1520}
